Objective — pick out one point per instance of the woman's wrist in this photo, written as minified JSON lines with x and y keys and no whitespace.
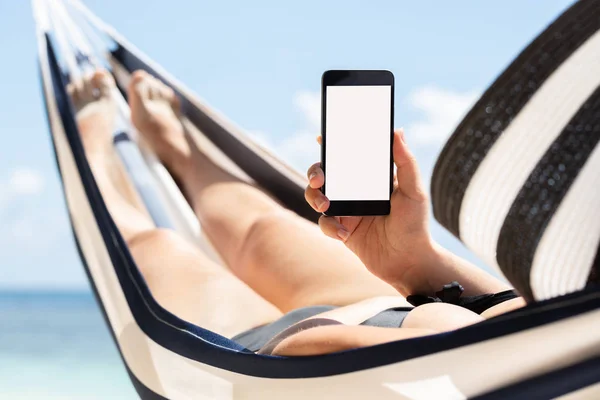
{"x":429,"y":266}
{"x":415,"y":269}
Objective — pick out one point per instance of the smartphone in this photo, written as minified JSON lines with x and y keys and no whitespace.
{"x":357,"y":125}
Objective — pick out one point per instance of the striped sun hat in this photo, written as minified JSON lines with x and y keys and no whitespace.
{"x":519,"y":180}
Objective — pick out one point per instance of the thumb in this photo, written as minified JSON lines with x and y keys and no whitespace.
{"x":408,"y":177}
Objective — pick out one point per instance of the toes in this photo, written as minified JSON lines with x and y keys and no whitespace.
{"x":167,"y":92}
{"x":75,"y":90}
{"x":175,"y":103}
{"x":154,"y":89}
{"x":101,"y":81}
{"x":146,"y":86}
{"x":138,"y":84}
{"x":158,"y":90}
{"x":88,"y":87}
{"x":169,"y":96}
{"x":72,"y":90}
{"x":91,"y":87}
{"x":138,"y":76}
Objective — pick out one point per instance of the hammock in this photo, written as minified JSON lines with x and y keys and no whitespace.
{"x":548,"y":349}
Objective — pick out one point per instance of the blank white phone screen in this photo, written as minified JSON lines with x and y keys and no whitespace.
{"x":358,"y":139}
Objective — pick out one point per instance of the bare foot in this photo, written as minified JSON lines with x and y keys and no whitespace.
{"x":95,"y":111}
{"x":155,"y":113}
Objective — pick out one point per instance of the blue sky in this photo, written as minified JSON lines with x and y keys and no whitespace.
{"x":260,"y":63}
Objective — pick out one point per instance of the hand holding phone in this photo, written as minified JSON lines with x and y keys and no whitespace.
{"x":388,"y":245}
{"x":357,"y":128}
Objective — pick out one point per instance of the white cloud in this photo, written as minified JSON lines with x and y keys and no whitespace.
{"x":262,"y":139}
{"x":22,"y":229}
{"x":441,"y":111}
{"x":25,"y":181}
{"x":21,"y":184}
{"x":299,"y":149}
{"x":309,"y":103}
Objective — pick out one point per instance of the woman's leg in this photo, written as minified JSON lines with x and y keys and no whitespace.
{"x":180,"y":277}
{"x":284,"y":258}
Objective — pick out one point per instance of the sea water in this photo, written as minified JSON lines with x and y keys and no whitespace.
{"x":56,"y":345}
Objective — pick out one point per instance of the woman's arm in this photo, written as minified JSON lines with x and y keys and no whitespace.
{"x":398,"y":247}
{"x":437,"y":267}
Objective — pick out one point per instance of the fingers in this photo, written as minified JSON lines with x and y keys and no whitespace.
{"x":320,"y":139}
{"x":316,"y":199}
{"x":316,"y":177}
{"x":312,"y":194}
{"x":316,"y":180}
{"x":333,"y":228}
{"x":408,"y":177}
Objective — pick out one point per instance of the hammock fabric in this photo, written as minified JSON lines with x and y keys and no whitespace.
{"x":548,"y":349}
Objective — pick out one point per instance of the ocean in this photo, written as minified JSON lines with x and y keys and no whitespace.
{"x":55,"y":345}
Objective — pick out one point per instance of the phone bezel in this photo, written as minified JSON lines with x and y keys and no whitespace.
{"x":356,"y":78}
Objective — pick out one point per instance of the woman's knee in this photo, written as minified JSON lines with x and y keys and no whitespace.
{"x":265,"y":230}
{"x":159,"y":246}
{"x":154,"y":237}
